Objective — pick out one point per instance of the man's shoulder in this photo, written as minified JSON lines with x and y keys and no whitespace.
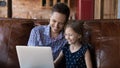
{"x":39,"y":28}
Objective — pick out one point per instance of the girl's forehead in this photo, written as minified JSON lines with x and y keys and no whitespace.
{"x":69,"y":29}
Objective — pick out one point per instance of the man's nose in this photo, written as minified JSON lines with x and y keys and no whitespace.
{"x":56,"y":25}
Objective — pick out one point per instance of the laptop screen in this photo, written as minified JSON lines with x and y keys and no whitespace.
{"x":34,"y":57}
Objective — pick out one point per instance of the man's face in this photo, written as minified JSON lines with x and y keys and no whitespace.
{"x":57,"y":22}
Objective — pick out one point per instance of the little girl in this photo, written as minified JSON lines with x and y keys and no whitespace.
{"x":76,"y":52}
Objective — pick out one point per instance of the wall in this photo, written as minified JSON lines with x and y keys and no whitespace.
{"x":3,"y":10}
{"x":85,"y":9}
{"x":29,"y":9}
{"x":32,"y":9}
{"x":118,"y":9}
{"x":106,"y":9}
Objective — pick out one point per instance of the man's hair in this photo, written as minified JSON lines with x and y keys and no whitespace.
{"x":62,"y":8}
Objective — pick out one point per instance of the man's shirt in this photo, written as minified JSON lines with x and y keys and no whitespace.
{"x":40,"y":36}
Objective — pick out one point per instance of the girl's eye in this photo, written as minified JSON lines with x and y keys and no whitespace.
{"x":61,"y":23}
{"x":68,"y":34}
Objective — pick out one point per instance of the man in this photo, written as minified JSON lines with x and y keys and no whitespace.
{"x":52,"y":34}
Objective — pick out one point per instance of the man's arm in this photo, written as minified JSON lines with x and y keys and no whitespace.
{"x":33,"y":38}
{"x":58,"y":59}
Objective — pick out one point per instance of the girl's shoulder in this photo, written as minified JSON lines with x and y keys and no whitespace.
{"x":66,"y":46}
{"x":86,"y":45}
{"x":84,"y":48}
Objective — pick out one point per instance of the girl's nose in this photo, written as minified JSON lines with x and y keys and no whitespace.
{"x":67,"y":37}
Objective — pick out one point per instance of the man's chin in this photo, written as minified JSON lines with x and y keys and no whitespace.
{"x":55,"y":31}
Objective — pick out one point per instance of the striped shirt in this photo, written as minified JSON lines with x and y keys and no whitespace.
{"x":40,"y":36}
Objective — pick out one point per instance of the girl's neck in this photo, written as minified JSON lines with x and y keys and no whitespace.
{"x":75,"y":47}
{"x":76,"y":44}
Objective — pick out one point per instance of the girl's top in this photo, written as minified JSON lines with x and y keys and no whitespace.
{"x":76,"y":59}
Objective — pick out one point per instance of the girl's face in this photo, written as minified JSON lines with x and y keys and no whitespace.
{"x":71,"y":36}
{"x":57,"y":22}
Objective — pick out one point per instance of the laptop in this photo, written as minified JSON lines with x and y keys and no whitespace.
{"x":34,"y":57}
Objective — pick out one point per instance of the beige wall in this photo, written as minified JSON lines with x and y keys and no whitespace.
{"x":32,"y":9}
{"x":29,"y":9}
{"x":106,"y":9}
{"x":3,"y":10}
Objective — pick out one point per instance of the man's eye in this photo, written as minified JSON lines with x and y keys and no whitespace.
{"x":61,"y":24}
{"x":68,"y":34}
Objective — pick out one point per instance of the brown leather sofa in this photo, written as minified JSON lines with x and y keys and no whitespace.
{"x":12,"y":33}
{"x":103,"y":35}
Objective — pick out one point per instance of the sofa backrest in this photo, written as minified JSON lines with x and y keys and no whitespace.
{"x":104,"y":36}
{"x":12,"y":33}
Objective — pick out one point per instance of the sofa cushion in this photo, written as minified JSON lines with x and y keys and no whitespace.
{"x":12,"y":33}
{"x":104,"y":35}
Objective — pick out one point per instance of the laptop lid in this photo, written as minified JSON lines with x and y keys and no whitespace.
{"x":35,"y":57}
